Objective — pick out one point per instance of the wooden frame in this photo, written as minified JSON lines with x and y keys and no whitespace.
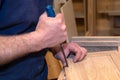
{"x":97,"y":65}
{"x":95,"y":40}
{"x":91,"y":18}
{"x":107,"y":11}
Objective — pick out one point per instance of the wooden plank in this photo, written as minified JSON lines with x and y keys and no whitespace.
{"x":90,"y":54}
{"x":104,"y":6}
{"x":116,"y":59}
{"x":114,"y":13}
{"x":107,"y":9}
{"x":67,"y":11}
{"x":78,"y":7}
{"x":86,"y":18}
{"x":54,"y":67}
{"x":103,"y":19}
{"x":116,"y":5}
{"x":91,"y":17}
{"x":61,"y":76}
{"x":96,"y":38}
{"x":103,"y":25}
{"x":95,"y":66}
{"x":79,"y":14}
{"x":97,"y":41}
{"x":57,"y":5}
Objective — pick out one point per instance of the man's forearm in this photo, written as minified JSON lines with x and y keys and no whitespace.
{"x":44,"y":36}
{"x":13,"y":47}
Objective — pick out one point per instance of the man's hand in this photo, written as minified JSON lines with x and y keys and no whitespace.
{"x":49,"y":32}
{"x":52,"y":29}
{"x":79,"y":52}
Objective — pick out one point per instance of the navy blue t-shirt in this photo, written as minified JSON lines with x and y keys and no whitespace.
{"x":18,"y":17}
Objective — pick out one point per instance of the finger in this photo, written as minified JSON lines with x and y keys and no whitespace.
{"x":80,"y":54}
{"x":60,"y":18}
{"x":84,"y":51}
{"x":64,"y":27}
{"x":77,"y":56}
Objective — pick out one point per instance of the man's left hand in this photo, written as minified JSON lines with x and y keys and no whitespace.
{"x":79,"y":52}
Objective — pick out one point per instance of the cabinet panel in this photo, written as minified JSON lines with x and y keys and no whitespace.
{"x":78,"y":6}
{"x":95,"y":66}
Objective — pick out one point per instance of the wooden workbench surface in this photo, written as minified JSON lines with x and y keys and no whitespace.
{"x":104,"y":65}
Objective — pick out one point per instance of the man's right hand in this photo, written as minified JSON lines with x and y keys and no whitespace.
{"x":53,"y":30}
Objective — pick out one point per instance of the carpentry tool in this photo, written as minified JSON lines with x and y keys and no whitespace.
{"x":51,"y":13}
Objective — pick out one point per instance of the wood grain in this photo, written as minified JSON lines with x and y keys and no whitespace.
{"x":96,"y":66}
{"x":54,"y":67}
{"x":97,"y":40}
{"x":91,"y":18}
{"x":68,"y":13}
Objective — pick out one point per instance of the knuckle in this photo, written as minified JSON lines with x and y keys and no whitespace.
{"x":64,"y":27}
{"x":59,"y":21}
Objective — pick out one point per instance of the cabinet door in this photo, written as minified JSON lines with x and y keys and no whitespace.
{"x":103,"y":65}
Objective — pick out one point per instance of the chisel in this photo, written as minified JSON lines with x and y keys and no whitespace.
{"x":51,"y":13}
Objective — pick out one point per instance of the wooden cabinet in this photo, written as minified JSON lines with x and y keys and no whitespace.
{"x":79,"y":8}
{"x":97,"y":17}
{"x":108,"y":6}
{"x":68,"y":13}
{"x":85,"y":14}
{"x":108,"y":17}
{"x":80,"y":11}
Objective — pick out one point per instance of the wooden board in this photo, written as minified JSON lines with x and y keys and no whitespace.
{"x":91,"y":18}
{"x":67,"y":11}
{"x":106,"y":10}
{"x":78,"y":6}
{"x":98,"y":43}
{"x":57,"y":5}
{"x":97,"y":40}
{"x":100,"y":65}
{"x":54,"y":67}
{"x":96,"y":66}
{"x":104,"y":6}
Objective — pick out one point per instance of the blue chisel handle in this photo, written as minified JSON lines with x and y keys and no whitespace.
{"x":50,"y":11}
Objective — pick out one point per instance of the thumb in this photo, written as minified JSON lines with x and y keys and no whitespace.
{"x":60,"y":56}
{"x":44,"y":15}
